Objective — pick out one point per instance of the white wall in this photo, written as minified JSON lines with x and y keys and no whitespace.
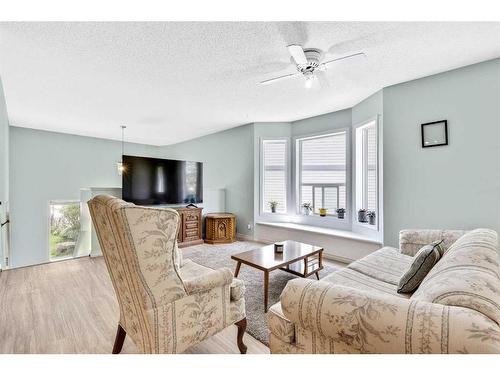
{"x":454,"y":186}
{"x":48,"y":166}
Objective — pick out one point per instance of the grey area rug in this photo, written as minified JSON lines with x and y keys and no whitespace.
{"x":216,"y":256}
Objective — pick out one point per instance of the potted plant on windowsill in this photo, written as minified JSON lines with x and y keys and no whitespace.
{"x":371,"y":217}
{"x":362,"y":218}
{"x":306,"y":208}
{"x":340,"y":212}
{"x":273,"y":205}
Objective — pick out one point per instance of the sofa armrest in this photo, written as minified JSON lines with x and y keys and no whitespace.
{"x":364,"y":322}
{"x":411,"y":240}
{"x":210,"y":280}
{"x":341,"y":312}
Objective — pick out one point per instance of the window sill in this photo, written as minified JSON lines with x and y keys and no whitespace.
{"x":321,"y":230}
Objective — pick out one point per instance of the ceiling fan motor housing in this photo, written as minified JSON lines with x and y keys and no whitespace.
{"x":313,"y":56}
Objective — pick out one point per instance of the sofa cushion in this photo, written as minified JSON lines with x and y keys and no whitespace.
{"x":468,"y":275}
{"x":386,"y":264}
{"x":422,"y":263}
{"x":412,"y":240}
{"x":357,"y":280}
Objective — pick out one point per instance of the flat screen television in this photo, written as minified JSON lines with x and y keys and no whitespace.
{"x":150,"y":181}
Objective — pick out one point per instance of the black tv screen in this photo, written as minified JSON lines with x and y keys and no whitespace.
{"x":150,"y":181}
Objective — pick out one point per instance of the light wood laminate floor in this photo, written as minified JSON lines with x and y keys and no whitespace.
{"x":70,"y":307}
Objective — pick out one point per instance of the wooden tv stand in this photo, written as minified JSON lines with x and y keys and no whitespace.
{"x":190,"y":228}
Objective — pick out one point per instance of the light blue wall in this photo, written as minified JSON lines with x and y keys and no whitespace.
{"x":49,"y":166}
{"x":227,"y":164}
{"x":4,"y":167}
{"x":322,"y":123}
{"x":455,"y":186}
{"x":368,"y":108}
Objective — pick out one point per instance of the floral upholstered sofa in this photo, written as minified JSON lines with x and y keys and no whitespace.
{"x":456,"y":309}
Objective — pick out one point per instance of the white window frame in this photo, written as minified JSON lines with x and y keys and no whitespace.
{"x":59,"y":202}
{"x":329,"y":220}
{"x":278,"y":215}
{"x":357,"y":190}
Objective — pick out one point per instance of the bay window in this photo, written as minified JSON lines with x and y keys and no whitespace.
{"x":321,"y":172}
{"x":367,"y":167}
{"x":274,"y":176}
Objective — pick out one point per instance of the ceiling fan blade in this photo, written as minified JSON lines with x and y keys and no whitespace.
{"x":354,"y":55}
{"x":297,"y":53}
{"x":271,"y":80}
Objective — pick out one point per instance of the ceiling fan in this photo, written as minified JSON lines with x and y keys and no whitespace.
{"x":308,"y":63}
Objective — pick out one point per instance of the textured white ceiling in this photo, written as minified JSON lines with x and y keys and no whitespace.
{"x":172,"y":81}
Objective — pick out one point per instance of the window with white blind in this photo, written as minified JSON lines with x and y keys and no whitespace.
{"x":274,"y":164}
{"x":321,"y":172}
{"x":366,"y":167}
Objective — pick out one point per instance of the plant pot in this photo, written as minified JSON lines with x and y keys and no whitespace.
{"x":273,"y":210}
{"x":340,"y":215}
{"x":362,"y":218}
{"x":371,"y":219}
{"x":306,"y":211}
{"x":322,"y":212}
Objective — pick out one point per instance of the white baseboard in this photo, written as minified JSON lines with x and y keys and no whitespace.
{"x":337,"y":258}
{"x":244,"y":237}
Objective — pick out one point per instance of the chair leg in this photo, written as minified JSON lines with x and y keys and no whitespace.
{"x":120,"y":338}
{"x":242,"y":326}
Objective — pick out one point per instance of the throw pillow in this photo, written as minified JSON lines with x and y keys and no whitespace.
{"x":424,"y":260}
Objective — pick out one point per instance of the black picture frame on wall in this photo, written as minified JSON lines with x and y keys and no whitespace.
{"x":435,"y":133}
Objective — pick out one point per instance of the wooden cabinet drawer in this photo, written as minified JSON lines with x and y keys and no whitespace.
{"x":191,"y":233}
{"x":191,"y":225}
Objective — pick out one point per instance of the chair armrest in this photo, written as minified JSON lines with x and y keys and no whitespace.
{"x":210,"y":280}
{"x":411,"y":240}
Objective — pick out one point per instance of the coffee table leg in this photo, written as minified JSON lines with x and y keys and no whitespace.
{"x":266,"y":289}
{"x":237,"y":271}
{"x":317,"y":275}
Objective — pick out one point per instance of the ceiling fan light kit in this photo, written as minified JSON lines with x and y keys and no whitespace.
{"x":308,"y":61}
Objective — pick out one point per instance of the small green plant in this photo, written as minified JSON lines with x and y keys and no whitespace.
{"x":307,"y":206}
{"x":273,"y":205}
{"x":340,"y":212}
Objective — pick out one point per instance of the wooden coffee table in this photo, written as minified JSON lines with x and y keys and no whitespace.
{"x":297,"y":258}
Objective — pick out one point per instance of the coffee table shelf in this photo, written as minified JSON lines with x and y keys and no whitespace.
{"x":297,"y":258}
{"x":305,"y":268}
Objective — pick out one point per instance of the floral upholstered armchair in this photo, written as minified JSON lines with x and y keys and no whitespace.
{"x":166,"y":304}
